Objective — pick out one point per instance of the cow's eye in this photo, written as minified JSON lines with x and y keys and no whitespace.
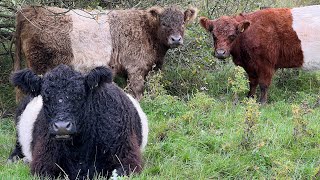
{"x":164,"y":24}
{"x":232,"y":37}
{"x":46,"y":92}
{"x":45,"y":98}
{"x":214,"y":37}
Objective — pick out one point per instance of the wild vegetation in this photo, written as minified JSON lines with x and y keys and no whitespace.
{"x":201,"y":124}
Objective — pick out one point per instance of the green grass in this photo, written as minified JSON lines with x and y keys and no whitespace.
{"x":201,"y":139}
{"x":7,"y":141}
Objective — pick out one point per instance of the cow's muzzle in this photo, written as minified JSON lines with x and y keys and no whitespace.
{"x":221,"y":54}
{"x":175,"y":41}
{"x":63,"y":129}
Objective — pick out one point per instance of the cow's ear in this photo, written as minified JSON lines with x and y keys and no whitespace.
{"x":205,"y":23}
{"x":27,"y":81}
{"x":97,"y":76}
{"x":190,"y":14}
{"x":154,"y":12}
{"x":242,"y":26}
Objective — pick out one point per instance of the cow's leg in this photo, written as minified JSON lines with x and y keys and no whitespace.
{"x":129,"y":161}
{"x":136,"y":83}
{"x":253,"y":82}
{"x":16,"y":154}
{"x":129,"y":165}
{"x":264,"y":93}
{"x":265,"y":78}
{"x":44,"y":159}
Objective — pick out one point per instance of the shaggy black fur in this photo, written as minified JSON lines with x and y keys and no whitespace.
{"x":108,"y":126}
{"x":28,"y":82}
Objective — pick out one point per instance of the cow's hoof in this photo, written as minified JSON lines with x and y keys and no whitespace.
{"x":119,"y":172}
{"x":10,"y":161}
{"x":13,"y":159}
{"x":26,"y":160}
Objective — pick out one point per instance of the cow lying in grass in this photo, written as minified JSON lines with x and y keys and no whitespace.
{"x":77,"y":124}
{"x":265,"y":40}
{"x":131,"y":42}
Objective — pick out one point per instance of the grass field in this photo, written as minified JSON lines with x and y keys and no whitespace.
{"x":209,"y":138}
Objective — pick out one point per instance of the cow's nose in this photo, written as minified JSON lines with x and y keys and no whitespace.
{"x":175,"y":40}
{"x":220,"y":51}
{"x":63,"y":127}
{"x":221,"y":54}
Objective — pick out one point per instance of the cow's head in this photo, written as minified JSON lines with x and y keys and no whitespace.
{"x":170,"y":24}
{"x":225,"y":31}
{"x":64,"y":92}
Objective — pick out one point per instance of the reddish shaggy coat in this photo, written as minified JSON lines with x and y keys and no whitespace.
{"x":265,"y":40}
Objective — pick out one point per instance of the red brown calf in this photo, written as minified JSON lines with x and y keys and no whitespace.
{"x":268,"y":39}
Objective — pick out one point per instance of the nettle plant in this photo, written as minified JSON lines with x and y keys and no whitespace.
{"x":251,"y":118}
{"x":238,"y":83}
{"x":154,"y":86}
{"x":300,"y":123}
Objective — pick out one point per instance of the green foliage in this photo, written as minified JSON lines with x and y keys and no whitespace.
{"x":295,"y":85}
{"x":238,"y":82}
{"x":186,"y":69}
{"x":153,"y":85}
{"x":59,"y":3}
{"x":7,"y":102}
{"x":251,"y":119}
{"x":300,"y":124}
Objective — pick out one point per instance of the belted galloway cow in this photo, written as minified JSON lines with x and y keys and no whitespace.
{"x":266,"y":40}
{"x":78,"y":125}
{"x":131,"y":42}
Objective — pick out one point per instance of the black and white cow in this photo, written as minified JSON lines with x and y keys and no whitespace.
{"x":78,"y":125}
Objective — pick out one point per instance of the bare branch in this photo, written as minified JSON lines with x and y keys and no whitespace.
{"x":58,"y":13}
{"x":4,"y":47}
{"x":4,"y":54}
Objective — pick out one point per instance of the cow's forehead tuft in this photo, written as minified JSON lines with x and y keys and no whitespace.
{"x":61,"y":71}
{"x":173,"y":9}
{"x":61,"y":78}
{"x":224,"y":25}
{"x":172,"y":15}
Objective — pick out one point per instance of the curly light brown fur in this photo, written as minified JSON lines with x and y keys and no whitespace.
{"x":131,"y":42}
